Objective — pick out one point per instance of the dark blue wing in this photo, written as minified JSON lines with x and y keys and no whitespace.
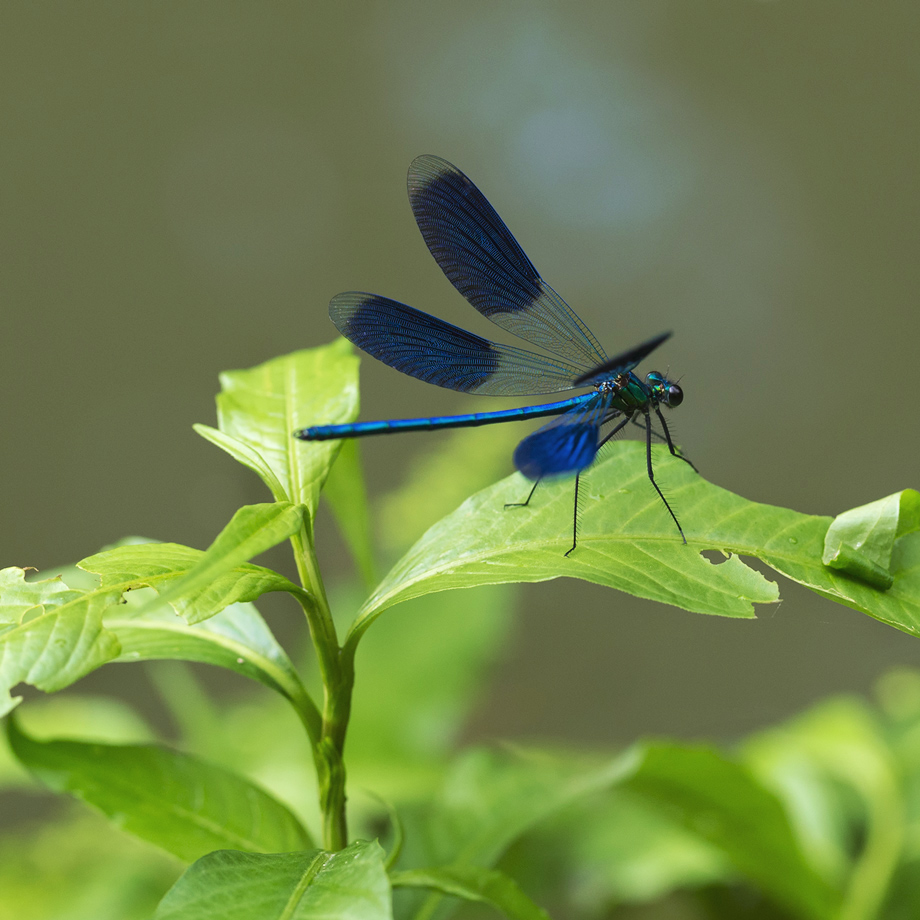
{"x":437,"y":352}
{"x":566,"y":445}
{"x":621,"y":363}
{"x":486,"y":265}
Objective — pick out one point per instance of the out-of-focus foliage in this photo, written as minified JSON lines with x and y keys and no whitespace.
{"x":580,"y":838}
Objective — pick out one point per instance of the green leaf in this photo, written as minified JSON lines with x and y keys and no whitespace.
{"x":57,"y":647}
{"x":490,"y":798}
{"x":626,"y":540}
{"x":237,"y":639}
{"x":473,"y":883}
{"x":259,"y":409}
{"x":245,"y":454}
{"x":613,"y":848}
{"x":18,"y":595}
{"x":68,"y":632}
{"x":347,"y":498}
{"x":860,"y":541}
{"x":807,"y":761}
{"x":198,"y":585}
{"x":349,"y":885}
{"x":723,"y":803}
{"x":802,"y":561}
{"x":182,"y":804}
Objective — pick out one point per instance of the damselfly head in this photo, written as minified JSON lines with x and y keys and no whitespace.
{"x":664,"y":391}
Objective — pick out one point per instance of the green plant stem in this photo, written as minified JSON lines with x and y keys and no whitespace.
{"x":337,"y":675}
{"x":331,"y":749}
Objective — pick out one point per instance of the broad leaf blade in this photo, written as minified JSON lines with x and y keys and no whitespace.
{"x":626,"y":539}
{"x":56,"y":648}
{"x":247,"y":455}
{"x":797,"y":553}
{"x":314,"y":885}
{"x":218,"y":577}
{"x":261,"y":407}
{"x":162,"y":566}
{"x":722,"y":802}
{"x":182,"y":804}
{"x":473,"y":883}
{"x":237,"y":638}
{"x":18,"y":595}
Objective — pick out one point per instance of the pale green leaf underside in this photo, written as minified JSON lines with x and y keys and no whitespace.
{"x":626,"y":540}
{"x":221,"y":627}
{"x":58,"y":645}
{"x":258,"y":410}
{"x":313,"y":885}
{"x":860,"y":541}
{"x":184,"y":805}
{"x":220,"y":576}
{"x":18,"y":595}
{"x":60,"y":634}
{"x":237,"y":639}
{"x":164,"y":565}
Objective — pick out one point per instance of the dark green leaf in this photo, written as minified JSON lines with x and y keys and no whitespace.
{"x":313,"y":885}
{"x":182,"y":804}
{"x":723,"y":803}
{"x":473,"y":883}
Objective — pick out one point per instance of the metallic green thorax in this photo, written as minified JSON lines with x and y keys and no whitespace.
{"x":630,"y":394}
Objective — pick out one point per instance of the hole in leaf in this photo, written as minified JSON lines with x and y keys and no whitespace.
{"x":715,"y":556}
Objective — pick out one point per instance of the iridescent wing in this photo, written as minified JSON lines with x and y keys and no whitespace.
{"x":621,"y":363}
{"x":487,"y":266}
{"x":437,"y":352}
{"x":566,"y":445}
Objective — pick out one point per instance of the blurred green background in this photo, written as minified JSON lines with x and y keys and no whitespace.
{"x":185,"y":185}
